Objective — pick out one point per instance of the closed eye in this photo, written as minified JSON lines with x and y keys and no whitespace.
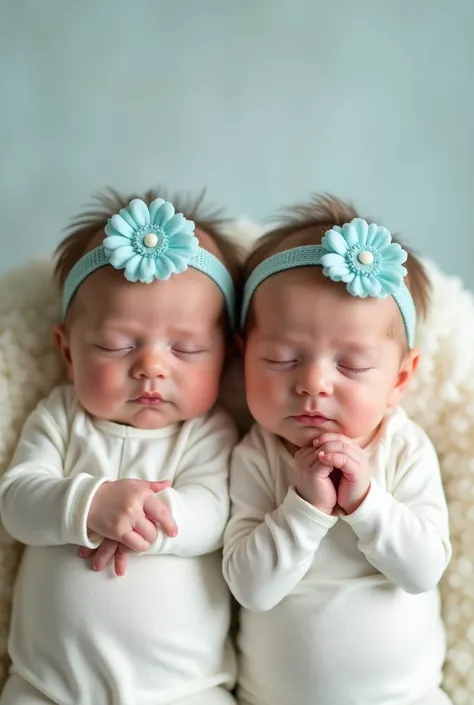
{"x":113,"y":350}
{"x":355,"y":370}
{"x":280,"y":363}
{"x":188,"y":352}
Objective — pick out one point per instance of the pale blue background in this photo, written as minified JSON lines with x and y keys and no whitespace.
{"x":261,"y":101}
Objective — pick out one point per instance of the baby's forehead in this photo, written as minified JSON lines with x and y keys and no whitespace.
{"x":190,"y":298}
{"x":303,"y":299}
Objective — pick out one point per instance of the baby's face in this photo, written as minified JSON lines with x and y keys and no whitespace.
{"x":319,"y":360}
{"x":145,"y":355}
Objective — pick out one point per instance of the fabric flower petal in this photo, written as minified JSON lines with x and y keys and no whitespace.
{"x":184,"y":244}
{"x":390,"y":281}
{"x":356,"y":288}
{"x":123,"y":213}
{"x":139,"y":212}
{"x":380,"y":238}
{"x":332,"y":259}
{"x":154,"y":207}
{"x":331,"y":274}
{"x":132,"y":267}
{"x":163,"y":267}
{"x":120,"y":256}
{"x":333,"y":241}
{"x":394,"y":254}
{"x":372,"y":286}
{"x":174,"y":224}
{"x":179,"y":262}
{"x":362,"y":229}
{"x":114,"y":241}
{"x":336,"y":266}
{"x":147,"y":269}
{"x":120,"y":226}
{"x":187,"y":228}
{"x":350,"y":233}
{"x":163,"y":214}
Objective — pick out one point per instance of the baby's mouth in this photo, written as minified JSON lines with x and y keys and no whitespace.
{"x":149,"y":399}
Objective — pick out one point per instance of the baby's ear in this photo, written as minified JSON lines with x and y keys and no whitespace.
{"x":407,"y":369}
{"x":61,"y":339}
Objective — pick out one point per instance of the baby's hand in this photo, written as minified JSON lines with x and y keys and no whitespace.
{"x":338,"y":451}
{"x":312,"y":481}
{"x":129,"y":511}
{"x":107,"y":551}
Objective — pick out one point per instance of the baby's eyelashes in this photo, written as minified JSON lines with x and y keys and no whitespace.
{"x":114,"y":349}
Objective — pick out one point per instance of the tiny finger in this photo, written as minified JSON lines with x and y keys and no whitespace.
{"x":329,"y":438}
{"x":120,"y":561}
{"x":146,"y":528}
{"x":159,"y":485}
{"x":347,"y":465}
{"x":135,"y":542}
{"x":85,"y":552}
{"x":325,"y":458}
{"x":103,"y":554}
{"x":160,"y":514}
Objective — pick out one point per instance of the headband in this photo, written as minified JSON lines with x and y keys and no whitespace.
{"x":150,"y":242}
{"x":362,"y":256}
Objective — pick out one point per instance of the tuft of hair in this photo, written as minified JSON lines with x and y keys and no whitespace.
{"x":84,"y":227}
{"x":307,"y":223}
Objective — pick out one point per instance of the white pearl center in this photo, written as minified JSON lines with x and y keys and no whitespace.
{"x":366,"y":257}
{"x":150,"y":240}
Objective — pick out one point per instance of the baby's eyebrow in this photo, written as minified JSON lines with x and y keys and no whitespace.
{"x":360,"y":348}
{"x":126,"y":327}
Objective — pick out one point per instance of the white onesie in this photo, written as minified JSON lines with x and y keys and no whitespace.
{"x":160,"y":633}
{"x":339,"y":610}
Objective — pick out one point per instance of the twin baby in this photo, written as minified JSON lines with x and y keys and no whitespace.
{"x":338,"y":531}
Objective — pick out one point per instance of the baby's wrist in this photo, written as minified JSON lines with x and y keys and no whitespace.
{"x":314,"y":502}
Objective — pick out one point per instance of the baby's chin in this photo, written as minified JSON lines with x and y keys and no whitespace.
{"x":134,"y":416}
{"x":296,"y":438}
{"x":302,"y":436}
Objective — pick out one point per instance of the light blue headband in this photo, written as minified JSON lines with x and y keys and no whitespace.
{"x":362,"y":256}
{"x":150,"y":242}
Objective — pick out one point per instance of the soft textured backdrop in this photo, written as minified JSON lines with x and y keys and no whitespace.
{"x":260,"y":100}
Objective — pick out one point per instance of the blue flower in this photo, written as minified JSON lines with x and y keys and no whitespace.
{"x":365,"y":258}
{"x":150,"y":242}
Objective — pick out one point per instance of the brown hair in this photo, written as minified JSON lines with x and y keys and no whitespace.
{"x":307,"y":224}
{"x":85,"y":226}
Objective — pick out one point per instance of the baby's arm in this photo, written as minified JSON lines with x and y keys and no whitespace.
{"x":268,"y":549}
{"x":39,"y":506}
{"x":199,"y":497}
{"x":405,"y":535}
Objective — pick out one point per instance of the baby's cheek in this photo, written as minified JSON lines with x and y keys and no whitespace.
{"x":200,"y":391}
{"x":265,"y":394}
{"x":369,"y":412}
{"x":99,"y":384}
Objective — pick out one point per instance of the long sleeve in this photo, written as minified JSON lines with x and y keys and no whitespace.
{"x":405,"y":533}
{"x":39,"y":506}
{"x":268,"y":549}
{"x":199,"y":497}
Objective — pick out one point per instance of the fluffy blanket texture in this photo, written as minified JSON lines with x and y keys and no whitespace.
{"x":441,"y":399}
